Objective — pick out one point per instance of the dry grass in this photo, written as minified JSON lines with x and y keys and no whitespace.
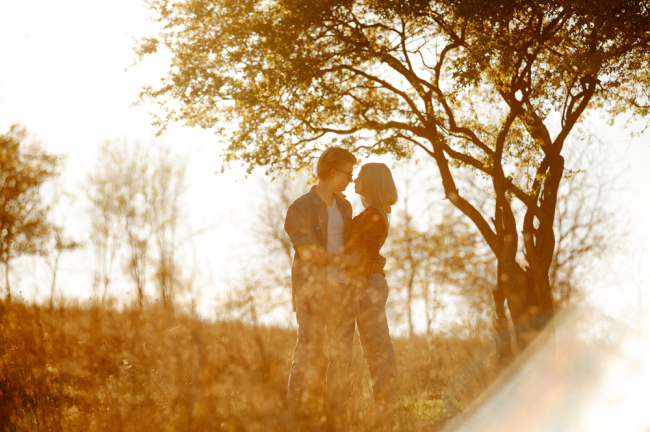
{"x":81,"y":369}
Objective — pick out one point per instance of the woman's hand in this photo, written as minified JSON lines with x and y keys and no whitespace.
{"x":358,"y":286}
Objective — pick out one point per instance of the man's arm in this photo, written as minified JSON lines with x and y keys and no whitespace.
{"x":318,"y":255}
{"x":295,"y":225}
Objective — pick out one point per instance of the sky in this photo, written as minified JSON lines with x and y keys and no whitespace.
{"x":65,"y":75}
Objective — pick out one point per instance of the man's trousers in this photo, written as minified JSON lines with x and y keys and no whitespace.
{"x":324,"y":343}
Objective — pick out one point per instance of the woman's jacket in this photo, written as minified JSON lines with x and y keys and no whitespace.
{"x":366,"y":231}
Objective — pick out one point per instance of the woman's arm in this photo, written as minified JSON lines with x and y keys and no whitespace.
{"x":318,"y":255}
{"x":373,"y":228}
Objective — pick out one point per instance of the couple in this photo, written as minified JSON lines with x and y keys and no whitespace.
{"x":337,"y":278}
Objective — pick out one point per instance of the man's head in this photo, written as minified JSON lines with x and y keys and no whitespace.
{"x":335,"y":167}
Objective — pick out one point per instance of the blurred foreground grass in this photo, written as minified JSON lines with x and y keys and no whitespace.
{"x":91,"y":369}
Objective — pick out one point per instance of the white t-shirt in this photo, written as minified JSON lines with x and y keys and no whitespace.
{"x":335,"y":241}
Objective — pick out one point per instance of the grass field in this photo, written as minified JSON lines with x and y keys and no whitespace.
{"x":90,"y":369}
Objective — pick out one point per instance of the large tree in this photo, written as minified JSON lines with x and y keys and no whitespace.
{"x":136,"y":194}
{"x":493,"y":87}
{"x":429,"y":248}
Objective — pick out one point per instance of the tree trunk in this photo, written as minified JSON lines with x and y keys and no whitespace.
{"x":106,"y":282}
{"x":539,"y":288}
{"x":509,"y":282}
{"x":140,"y":297}
{"x":528,"y":305}
{"x":527,"y":298}
{"x":54,"y":271}
{"x":539,"y":242}
{"x":501,"y":326}
{"x":431,"y":306}
{"x":410,"y":300}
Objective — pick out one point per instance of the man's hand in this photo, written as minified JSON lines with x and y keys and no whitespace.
{"x":318,"y":255}
{"x":358,"y":286}
{"x":353,"y":260}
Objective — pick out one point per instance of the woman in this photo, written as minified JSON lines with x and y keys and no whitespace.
{"x":367,"y":232}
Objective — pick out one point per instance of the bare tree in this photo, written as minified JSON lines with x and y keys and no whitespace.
{"x":61,"y":242}
{"x":427,"y":258}
{"x":105,"y":186}
{"x":587,"y":227}
{"x":137,"y":217}
{"x":136,"y":197}
{"x":405,"y":245}
{"x":267,"y":287}
{"x":168,"y":189}
{"x":268,"y":230}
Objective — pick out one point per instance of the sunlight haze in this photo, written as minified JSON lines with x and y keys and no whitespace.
{"x":66,"y":75}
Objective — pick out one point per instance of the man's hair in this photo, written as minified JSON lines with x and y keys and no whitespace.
{"x":333,"y":157}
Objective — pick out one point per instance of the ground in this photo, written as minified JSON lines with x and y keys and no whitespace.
{"x":92,"y":369}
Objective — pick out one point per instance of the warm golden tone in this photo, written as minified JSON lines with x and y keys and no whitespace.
{"x":497,"y":88}
{"x":494,"y":278}
{"x":24,"y":226}
{"x":79,"y":369}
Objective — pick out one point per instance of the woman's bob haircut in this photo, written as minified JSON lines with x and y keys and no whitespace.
{"x":378,"y":188}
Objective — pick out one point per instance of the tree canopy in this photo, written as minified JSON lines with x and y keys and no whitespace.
{"x":289,"y":73}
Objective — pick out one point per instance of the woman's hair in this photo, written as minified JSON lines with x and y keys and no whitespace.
{"x":333,"y":158}
{"x":378,"y":188}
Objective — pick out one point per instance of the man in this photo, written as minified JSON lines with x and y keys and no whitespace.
{"x":315,"y":223}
